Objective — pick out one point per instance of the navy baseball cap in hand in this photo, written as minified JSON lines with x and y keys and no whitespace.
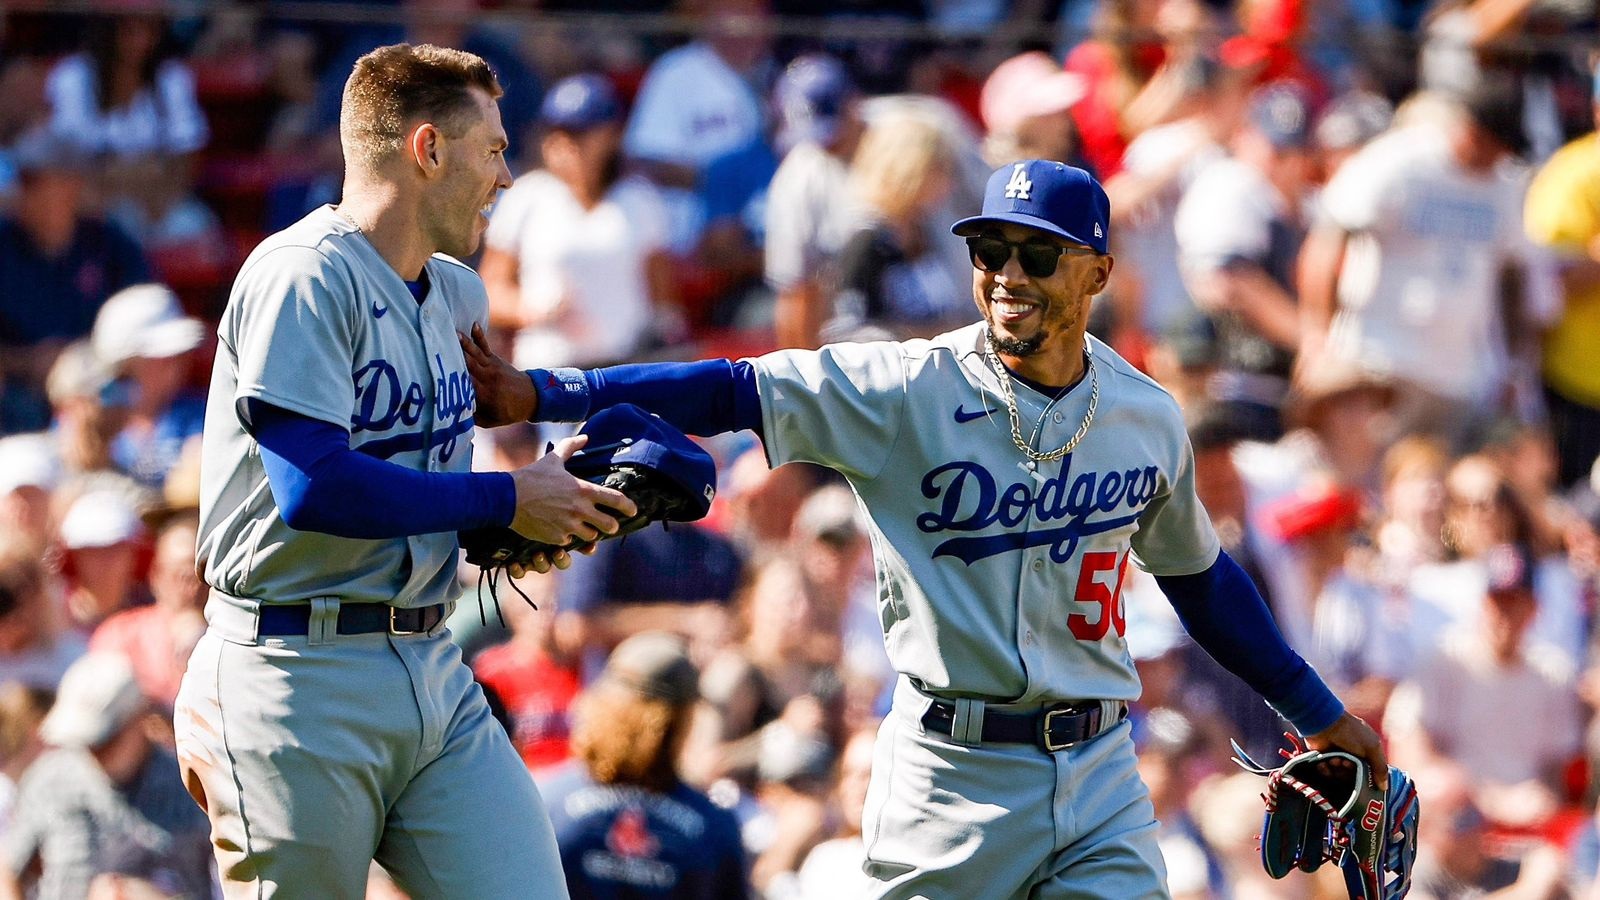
{"x":626,"y":434}
{"x":1050,"y":196}
{"x":580,"y":102}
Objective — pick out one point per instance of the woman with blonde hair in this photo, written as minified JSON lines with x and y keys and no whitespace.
{"x":892,"y":280}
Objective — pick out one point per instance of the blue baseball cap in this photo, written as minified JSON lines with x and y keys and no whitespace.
{"x":580,"y":102}
{"x":811,"y":97}
{"x":1050,"y":196}
{"x":1281,"y":113}
{"x":625,"y":433}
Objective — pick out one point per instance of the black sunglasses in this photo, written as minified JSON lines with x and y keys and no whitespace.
{"x":1038,"y":258}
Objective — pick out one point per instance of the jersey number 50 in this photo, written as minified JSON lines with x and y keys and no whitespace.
{"x":1092,"y":588}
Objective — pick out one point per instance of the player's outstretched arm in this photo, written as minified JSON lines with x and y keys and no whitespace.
{"x":702,"y":398}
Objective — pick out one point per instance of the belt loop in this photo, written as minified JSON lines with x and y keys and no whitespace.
{"x":1110,"y":715}
{"x":324,"y":625}
{"x":967,"y":727}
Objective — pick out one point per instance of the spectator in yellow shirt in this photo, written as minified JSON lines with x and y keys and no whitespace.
{"x":1563,"y":212}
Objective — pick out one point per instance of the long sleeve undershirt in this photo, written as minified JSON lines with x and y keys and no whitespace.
{"x":1224,"y":612}
{"x":321,"y":484}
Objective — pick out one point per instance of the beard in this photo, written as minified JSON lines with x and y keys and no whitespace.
{"x":1017,"y":346}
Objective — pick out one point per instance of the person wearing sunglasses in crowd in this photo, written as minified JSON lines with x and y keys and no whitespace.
{"x":1010,"y":471}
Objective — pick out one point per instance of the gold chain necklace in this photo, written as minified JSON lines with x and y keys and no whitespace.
{"x":351,"y":219}
{"x":1034,"y":456}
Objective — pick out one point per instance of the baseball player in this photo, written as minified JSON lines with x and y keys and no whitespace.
{"x":326,"y":719}
{"x":1011,"y":471}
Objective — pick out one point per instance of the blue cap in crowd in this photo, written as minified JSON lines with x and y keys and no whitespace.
{"x":1281,"y":113}
{"x":811,"y":97}
{"x":579,"y":102}
{"x":627,"y":434}
{"x":1051,"y":196}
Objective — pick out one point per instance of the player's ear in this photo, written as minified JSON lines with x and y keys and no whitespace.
{"x":1102,"y":273}
{"x":424,"y":147}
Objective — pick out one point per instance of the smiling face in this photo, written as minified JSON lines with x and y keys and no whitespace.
{"x":1032,"y":316}
{"x":472,"y":172}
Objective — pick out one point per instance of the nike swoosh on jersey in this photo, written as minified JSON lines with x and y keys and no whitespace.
{"x":963,"y":416}
{"x":378,"y":311}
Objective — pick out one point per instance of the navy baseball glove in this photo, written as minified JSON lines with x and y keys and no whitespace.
{"x":668,"y":476}
{"x":1323,"y":806}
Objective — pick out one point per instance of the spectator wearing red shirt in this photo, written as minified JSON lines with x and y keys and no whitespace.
{"x":535,"y":687}
{"x":1139,"y":66}
{"x":157,"y":639}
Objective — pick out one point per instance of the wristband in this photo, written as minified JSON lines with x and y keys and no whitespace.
{"x":563,"y":394}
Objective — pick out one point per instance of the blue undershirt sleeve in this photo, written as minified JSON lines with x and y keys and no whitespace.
{"x":700,"y":398}
{"x":321,"y":484}
{"x":1225,"y":614}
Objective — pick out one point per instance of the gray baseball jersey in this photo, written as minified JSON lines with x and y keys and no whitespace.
{"x":320,"y":325}
{"x":996,"y":581}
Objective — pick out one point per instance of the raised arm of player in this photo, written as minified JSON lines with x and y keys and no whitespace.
{"x":700,"y":398}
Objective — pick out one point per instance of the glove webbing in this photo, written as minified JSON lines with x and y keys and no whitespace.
{"x":1341,"y":837}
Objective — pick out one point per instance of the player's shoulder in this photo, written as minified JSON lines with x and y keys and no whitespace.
{"x":318,"y":244}
{"x":459,"y":284}
{"x":443,"y":265}
{"x":1130,"y":385}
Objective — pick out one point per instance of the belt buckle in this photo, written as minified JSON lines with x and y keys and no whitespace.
{"x":396,"y":630}
{"x":1048,"y":716}
{"x":1093,"y":714}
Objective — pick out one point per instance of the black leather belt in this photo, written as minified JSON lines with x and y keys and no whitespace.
{"x":294,"y":619}
{"x":1051,"y":729}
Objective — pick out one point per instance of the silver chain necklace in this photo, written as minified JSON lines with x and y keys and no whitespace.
{"x":1035,"y":456}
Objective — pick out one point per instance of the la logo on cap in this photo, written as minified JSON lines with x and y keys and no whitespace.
{"x":1019,"y":187}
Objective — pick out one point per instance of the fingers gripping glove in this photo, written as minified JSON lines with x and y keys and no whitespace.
{"x":667,"y":476}
{"x":1323,"y":806}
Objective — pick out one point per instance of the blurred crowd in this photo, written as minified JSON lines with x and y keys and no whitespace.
{"x":1359,"y":240}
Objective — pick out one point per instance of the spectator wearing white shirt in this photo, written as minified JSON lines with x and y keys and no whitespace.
{"x":1405,"y":268}
{"x":574,"y":259}
{"x":1157,"y":168}
{"x":1239,"y":228}
{"x":697,"y":103}
{"x":833,"y":868}
{"x":810,"y":209}
{"x":1492,"y":706}
{"x":130,"y":100}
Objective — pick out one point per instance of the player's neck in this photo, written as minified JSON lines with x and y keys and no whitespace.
{"x":390,"y":224}
{"x":1058,"y":364}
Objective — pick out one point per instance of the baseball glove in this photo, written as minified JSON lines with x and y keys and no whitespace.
{"x":1323,"y":806}
{"x":667,"y":476}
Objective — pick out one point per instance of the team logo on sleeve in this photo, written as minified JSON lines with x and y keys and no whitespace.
{"x":969,"y":498}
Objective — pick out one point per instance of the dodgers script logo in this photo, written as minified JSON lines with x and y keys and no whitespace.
{"x":383,"y":404}
{"x":971,"y":499}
